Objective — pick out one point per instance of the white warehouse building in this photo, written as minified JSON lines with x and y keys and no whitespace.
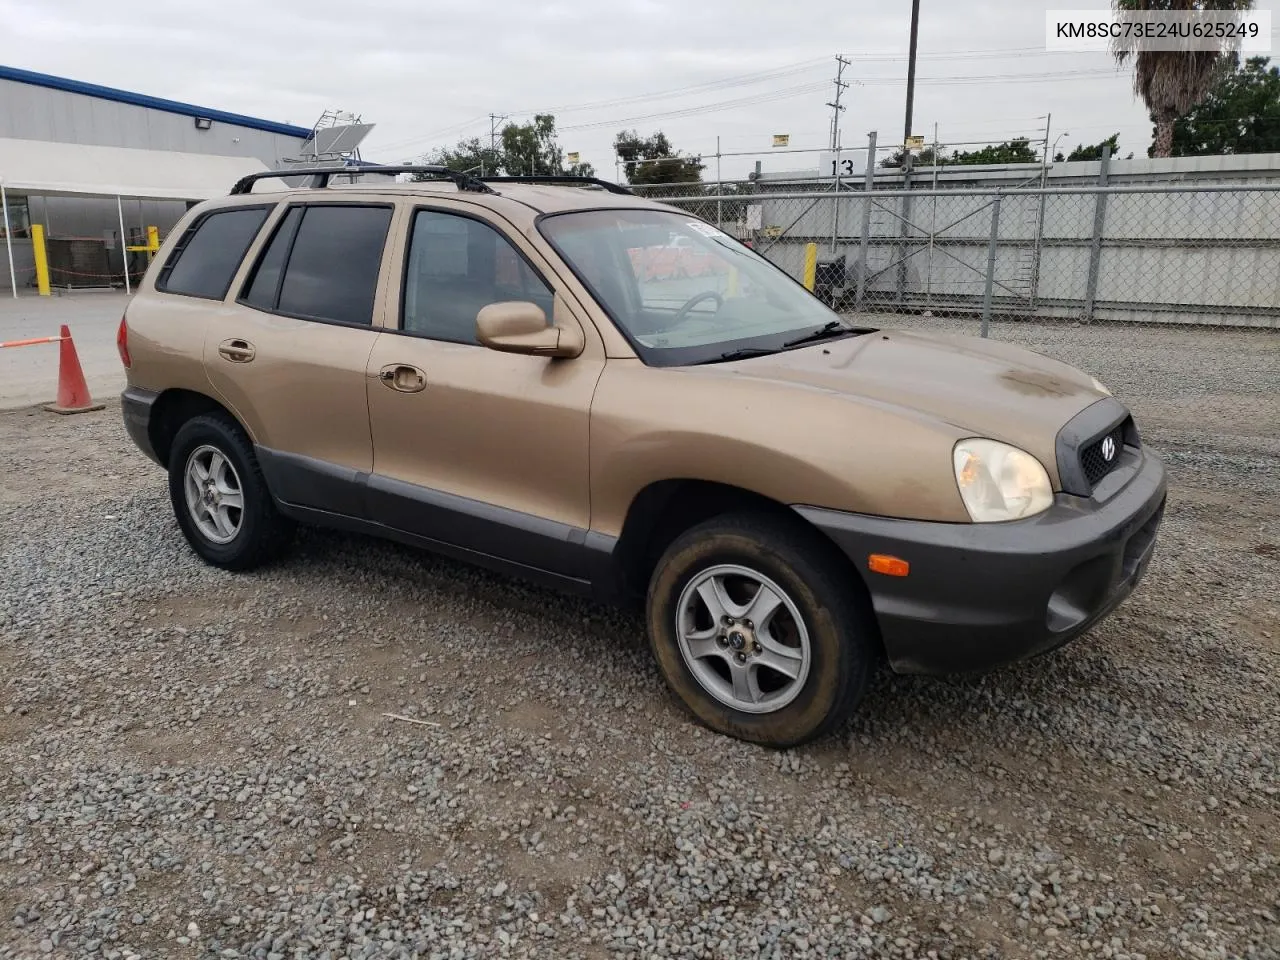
{"x":86,"y":162}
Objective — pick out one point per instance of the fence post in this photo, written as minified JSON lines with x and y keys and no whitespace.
{"x":900,"y":252}
{"x":719,"y":190}
{"x":835,"y":206}
{"x":1099,"y":221}
{"x":124,"y":243}
{"x":991,"y":262}
{"x":865,"y":246}
{"x":8,"y":239}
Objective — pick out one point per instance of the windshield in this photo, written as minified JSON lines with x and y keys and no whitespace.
{"x":684,"y":292}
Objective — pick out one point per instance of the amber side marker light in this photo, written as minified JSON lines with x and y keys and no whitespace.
{"x":889,"y":566}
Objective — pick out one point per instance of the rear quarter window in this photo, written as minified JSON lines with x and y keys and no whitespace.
{"x":210,"y":252}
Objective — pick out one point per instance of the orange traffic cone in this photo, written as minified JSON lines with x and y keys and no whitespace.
{"x":73,"y":392}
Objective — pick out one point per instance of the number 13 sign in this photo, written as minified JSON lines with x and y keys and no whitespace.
{"x":832,"y":165}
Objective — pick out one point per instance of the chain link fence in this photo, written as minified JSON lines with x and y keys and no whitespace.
{"x":1204,"y":253}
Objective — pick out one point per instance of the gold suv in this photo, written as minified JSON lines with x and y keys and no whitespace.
{"x":565,"y":382}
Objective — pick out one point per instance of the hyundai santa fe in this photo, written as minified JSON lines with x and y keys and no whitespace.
{"x":487,"y":369}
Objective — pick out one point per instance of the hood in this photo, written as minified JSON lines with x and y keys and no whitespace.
{"x":981,"y":387}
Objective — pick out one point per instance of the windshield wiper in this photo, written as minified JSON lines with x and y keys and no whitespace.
{"x":743,"y":353}
{"x":828,"y":330}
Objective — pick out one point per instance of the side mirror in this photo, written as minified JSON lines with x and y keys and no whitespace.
{"x":518,"y":326}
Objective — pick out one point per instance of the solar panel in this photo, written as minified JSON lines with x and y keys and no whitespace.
{"x":339,"y":139}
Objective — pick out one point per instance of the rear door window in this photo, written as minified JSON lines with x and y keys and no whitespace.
{"x":210,"y":253}
{"x":332,"y":269}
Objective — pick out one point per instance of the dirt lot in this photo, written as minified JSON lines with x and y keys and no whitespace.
{"x":197,"y":764}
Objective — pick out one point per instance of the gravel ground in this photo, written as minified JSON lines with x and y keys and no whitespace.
{"x":199,"y":764}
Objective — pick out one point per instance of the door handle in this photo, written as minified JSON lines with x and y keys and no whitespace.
{"x":237,"y":351}
{"x":403,"y":377}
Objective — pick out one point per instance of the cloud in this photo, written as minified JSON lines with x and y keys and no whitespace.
{"x":417,"y":68}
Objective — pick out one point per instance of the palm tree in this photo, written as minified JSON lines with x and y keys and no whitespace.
{"x":1171,"y":82}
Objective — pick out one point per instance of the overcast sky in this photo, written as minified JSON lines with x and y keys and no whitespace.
{"x":427,"y":72}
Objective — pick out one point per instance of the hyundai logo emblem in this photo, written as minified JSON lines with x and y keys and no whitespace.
{"x":1109,"y":449}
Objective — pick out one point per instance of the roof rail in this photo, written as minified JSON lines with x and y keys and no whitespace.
{"x":320,"y":176}
{"x":562,"y":178}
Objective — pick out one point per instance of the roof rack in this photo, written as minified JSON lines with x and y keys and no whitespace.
{"x":562,"y":178}
{"x":320,"y":176}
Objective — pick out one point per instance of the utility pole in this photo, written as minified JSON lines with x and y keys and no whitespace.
{"x":908,"y":158}
{"x":836,"y":108}
{"x":911,"y":69}
{"x":493,"y":130}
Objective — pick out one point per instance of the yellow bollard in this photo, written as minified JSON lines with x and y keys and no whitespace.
{"x":733,"y":283}
{"x":42,"y":259}
{"x":810,"y":265}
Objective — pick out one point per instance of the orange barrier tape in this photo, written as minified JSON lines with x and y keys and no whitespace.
{"x":27,"y":343}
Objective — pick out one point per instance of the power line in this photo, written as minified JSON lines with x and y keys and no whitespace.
{"x":746,"y":79}
{"x":787,"y":70}
{"x":1010,"y":52}
{"x":784,"y":94}
{"x":996,"y":77}
{"x":444,"y":131}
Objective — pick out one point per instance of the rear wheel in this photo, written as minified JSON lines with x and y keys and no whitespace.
{"x":756,"y":632}
{"x":219,"y":497}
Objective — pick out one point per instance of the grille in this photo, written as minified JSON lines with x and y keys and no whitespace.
{"x":1095,"y":465}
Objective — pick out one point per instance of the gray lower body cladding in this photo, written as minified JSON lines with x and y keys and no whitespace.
{"x":135,"y":408}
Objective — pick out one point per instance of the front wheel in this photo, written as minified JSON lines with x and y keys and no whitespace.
{"x":757,"y":633}
{"x":220,"y":498}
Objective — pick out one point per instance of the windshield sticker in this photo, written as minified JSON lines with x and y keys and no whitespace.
{"x":705,"y":229}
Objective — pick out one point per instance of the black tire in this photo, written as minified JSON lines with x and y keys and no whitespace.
{"x":263,"y":534}
{"x":843,"y":638}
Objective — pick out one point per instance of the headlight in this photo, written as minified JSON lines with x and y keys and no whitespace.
{"x":999,"y":482}
{"x":1097,"y":385}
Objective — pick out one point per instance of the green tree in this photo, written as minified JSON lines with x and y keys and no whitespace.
{"x":1171,"y":82}
{"x":473,"y":155}
{"x":653,"y":159}
{"x":1011,"y":151}
{"x":1239,"y":114}
{"x":1091,"y":152}
{"x":522,"y":150}
{"x":529,"y":149}
{"x":925,"y":158}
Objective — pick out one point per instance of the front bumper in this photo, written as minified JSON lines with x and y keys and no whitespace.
{"x":980,"y":595}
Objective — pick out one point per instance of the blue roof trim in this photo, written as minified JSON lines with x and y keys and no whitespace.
{"x":155,"y":103}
